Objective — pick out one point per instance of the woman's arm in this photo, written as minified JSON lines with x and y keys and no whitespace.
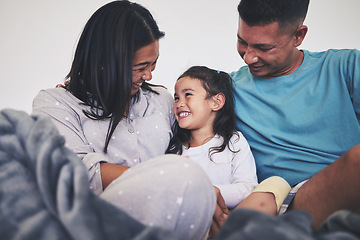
{"x":110,"y":171}
{"x":66,"y":113}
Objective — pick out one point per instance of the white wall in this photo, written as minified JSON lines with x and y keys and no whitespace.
{"x":37,"y":38}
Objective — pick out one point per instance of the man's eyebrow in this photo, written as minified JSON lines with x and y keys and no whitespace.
{"x":240,"y":38}
{"x":146,"y":63}
{"x":258,"y":45}
{"x":264,"y":45}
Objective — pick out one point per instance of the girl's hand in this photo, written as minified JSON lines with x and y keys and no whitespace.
{"x":220,"y":215}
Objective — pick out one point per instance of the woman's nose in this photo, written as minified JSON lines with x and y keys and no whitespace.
{"x":147,"y":74}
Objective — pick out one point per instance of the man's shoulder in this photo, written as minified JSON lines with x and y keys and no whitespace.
{"x":240,"y":73}
{"x":330,"y":59}
{"x":332,"y":53}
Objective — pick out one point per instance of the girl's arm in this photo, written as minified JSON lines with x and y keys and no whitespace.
{"x":260,"y":201}
{"x":243,"y":173}
{"x":268,"y":196}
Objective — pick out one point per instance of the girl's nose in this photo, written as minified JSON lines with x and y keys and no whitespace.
{"x":179,"y":104}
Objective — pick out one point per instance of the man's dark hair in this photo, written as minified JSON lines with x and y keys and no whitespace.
{"x":288,"y":13}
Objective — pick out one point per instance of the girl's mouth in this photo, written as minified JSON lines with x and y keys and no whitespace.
{"x":183,"y":114}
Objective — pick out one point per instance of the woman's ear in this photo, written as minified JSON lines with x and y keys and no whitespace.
{"x":218,"y":101}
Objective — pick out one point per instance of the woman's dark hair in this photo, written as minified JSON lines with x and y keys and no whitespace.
{"x":101,"y":72}
{"x":214,"y":82}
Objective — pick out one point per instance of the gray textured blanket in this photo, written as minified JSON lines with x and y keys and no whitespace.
{"x":44,"y":190}
{"x":44,"y":195}
{"x":246,"y":224}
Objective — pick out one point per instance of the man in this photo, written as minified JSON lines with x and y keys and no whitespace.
{"x":299,"y":110}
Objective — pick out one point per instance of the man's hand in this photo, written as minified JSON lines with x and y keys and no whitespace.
{"x":60,"y":85}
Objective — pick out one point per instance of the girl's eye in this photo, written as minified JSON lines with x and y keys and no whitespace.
{"x":187,"y":94}
{"x":176,"y":98}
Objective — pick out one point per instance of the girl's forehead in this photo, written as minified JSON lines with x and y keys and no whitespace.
{"x":190,"y":80}
{"x":185,"y":81}
{"x":188,"y":83}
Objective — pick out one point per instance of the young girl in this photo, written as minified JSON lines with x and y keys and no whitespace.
{"x":204,"y":132}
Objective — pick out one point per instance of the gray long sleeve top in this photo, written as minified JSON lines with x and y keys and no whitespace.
{"x":144,"y":134}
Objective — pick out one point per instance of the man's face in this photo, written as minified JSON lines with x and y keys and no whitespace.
{"x":267,"y":51}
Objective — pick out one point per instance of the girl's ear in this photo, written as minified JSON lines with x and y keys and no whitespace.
{"x":218,"y":101}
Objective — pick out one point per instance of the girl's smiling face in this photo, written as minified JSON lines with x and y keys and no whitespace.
{"x":193,"y":108}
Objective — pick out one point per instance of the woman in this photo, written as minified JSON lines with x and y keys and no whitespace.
{"x":113,"y":119}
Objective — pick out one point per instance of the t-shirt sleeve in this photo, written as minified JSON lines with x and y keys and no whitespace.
{"x":353,"y":80}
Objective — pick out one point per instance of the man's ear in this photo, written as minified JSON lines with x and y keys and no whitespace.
{"x":300,"y":34}
{"x":218,"y":101}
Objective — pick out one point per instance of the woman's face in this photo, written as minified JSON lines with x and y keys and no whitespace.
{"x":144,"y":63}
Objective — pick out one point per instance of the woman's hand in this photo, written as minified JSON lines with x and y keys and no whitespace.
{"x":111,"y":171}
{"x":220,"y":215}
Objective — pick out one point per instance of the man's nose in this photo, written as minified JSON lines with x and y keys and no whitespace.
{"x":250,"y":56}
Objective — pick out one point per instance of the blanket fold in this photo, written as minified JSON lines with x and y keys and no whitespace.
{"x":247,"y":224}
{"x":44,"y":191}
{"x":44,"y":194}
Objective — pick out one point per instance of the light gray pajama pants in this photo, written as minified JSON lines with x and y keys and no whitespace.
{"x":169,"y":191}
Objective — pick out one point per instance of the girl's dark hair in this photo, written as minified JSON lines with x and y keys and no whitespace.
{"x":214,"y":82}
{"x":101,"y":72}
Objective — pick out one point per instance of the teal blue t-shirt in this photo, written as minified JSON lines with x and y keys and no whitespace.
{"x":300,"y":123}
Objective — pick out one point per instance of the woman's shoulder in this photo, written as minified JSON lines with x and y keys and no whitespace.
{"x":163,"y":91}
{"x":54,"y":97}
{"x":161,"y":94}
{"x":57,"y":92}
